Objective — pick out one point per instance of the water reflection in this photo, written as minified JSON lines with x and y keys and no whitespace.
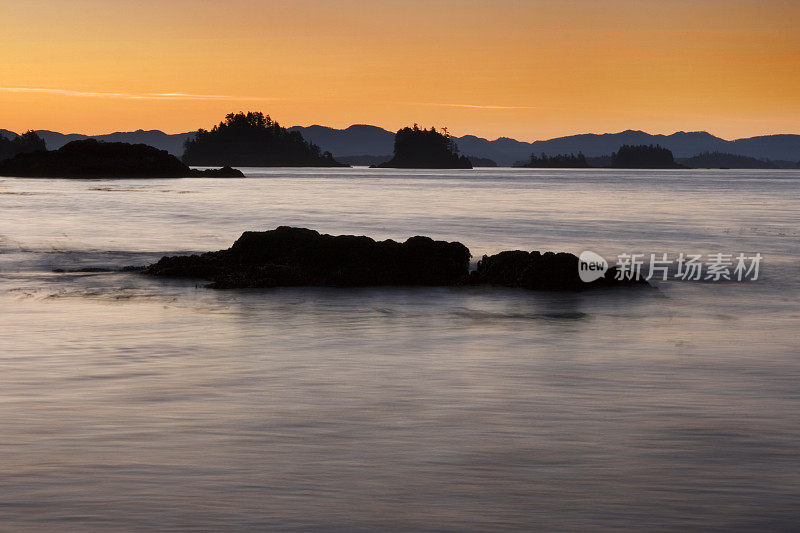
{"x":132,"y":403}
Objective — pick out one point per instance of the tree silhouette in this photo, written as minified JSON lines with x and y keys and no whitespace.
{"x":420,"y":148}
{"x":726,"y":160}
{"x":21,"y":144}
{"x":643,"y":156}
{"x":254,"y":139}
{"x":557,"y":161}
{"x":89,"y":158}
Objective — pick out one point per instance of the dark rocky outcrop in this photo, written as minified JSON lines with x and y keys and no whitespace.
{"x":539,"y":271}
{"x":224,"y":172}
{"x":294,"y":257}
{"x":289,"y":256}
{"x":94,"y":159}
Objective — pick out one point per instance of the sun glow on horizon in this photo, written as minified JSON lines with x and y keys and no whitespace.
{"x":528,"y":70}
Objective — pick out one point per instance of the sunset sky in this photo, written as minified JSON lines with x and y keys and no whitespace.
{"x":524,"y":69}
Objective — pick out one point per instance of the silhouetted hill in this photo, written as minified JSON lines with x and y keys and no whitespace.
{"x":777,"y":147}
{"x":358,"y":139}
{"x":592,"y":145}
{"x":254,"y":140}
{"x":20,"y":144}
{"x":173,"y":144}
{"x":364,"y":140}
{"x":722,"y":160}
{"x":643,"y":156}
{"x":421,"y":148}
{"x":682,"y":144}
{"x":506,"y":151}
{"x":481,"y":161}
{"x":158,"y":139}
{"x":89,"y":158}
{"x":363,"y":160}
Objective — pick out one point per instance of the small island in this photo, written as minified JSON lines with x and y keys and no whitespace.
{"x":254,"y":140}
{"x":557,"y":161}
{"x":224,"y":172}
{"x":90,"y":158}
{"x":725,"y":160}
{"x":421,"y":148}
{"x":643,"y":156}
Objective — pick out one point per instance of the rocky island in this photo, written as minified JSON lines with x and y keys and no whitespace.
{"x":291,"y":257}
{"x":643,"y":157}
{"x":254,"y":140}
{"x":421,"y":148}
{"x":95,"y":159}
{"x":549,"y":271}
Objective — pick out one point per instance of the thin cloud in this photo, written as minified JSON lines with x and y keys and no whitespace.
{"x":190,"y":96}
{"x":476,"y":106}
{"x":131,"y":96}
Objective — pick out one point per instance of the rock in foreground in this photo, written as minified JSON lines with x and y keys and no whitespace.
{"x":292,"y":257}
{"x":539,"y":271}
{"x":296,"y":257}
{"x":94,"y":159}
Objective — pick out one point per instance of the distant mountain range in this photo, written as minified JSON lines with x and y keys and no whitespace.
{"x":172,"y":143}
{"x":358,"y":139}
{"x":682,"y":144}
{"x":377,"y":143}
{"x":723,"y":160}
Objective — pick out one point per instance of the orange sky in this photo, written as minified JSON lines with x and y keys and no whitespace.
{"x":525,"y":69}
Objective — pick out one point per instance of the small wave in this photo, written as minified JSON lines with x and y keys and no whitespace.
{"x":87,"y":270}
{"x":99,"y":293}
{"x":476,"y":314}
{"x":116,"y":189}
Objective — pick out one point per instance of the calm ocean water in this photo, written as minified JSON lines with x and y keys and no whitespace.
{"x":130,"y":403}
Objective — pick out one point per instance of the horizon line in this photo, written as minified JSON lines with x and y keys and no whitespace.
{"x":389,"y":131}
{"x":180,"y":96}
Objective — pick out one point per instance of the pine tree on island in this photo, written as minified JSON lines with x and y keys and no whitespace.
{"x":254,"y":140}
{"x":643,"y":156}
{"x":421,"y":148}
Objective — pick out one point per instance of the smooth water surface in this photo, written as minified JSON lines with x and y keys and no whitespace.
{"x":131,"y":403}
